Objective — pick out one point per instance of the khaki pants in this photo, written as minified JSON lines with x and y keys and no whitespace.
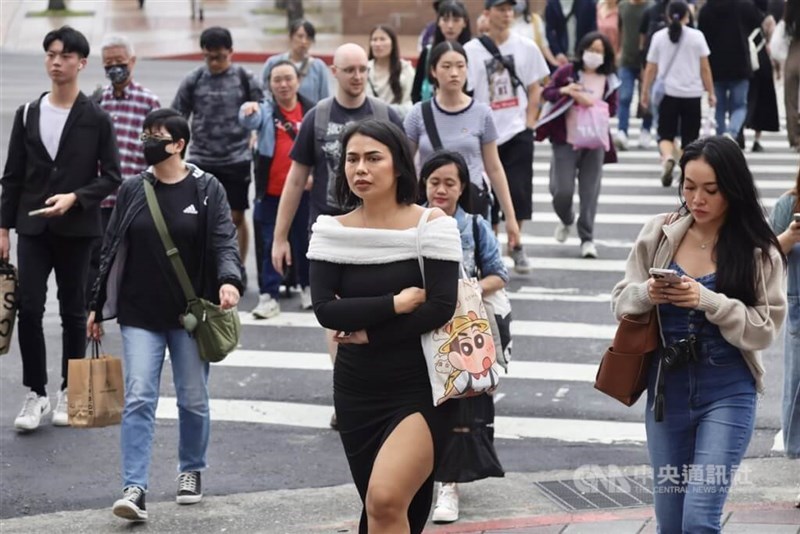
{"x":791,"y":81}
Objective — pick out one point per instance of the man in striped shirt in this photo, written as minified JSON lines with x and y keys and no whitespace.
{"x":128,"y":103}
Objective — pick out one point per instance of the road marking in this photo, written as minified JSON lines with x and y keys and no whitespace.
{"x":320,"y":361}
{"x":777,"y":444}
{"x":536,"y":241}
{"x":318,"y":416}
{"x":548,"y":329}
{"x":667,"y":202}
{"x":541,"y":179}
{"x":655,"y":168}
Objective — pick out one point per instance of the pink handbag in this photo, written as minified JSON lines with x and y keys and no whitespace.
{"x":591,"y":126}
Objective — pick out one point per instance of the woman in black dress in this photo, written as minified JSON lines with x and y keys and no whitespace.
{"x":366,"y":284}
{"x":762,"y":102}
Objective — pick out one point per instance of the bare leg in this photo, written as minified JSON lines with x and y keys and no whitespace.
{"x":403,"y":464}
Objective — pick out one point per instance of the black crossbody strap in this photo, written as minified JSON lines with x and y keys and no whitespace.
{"x":476,"y":239}
{"x":286,"y":123}
{"x":489,"y":45}
{"x":430,"y":125}
{"x":166,"y":239}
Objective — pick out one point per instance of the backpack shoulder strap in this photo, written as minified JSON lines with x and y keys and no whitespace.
{"x":322,"y":116}
{"x":430,"y":125}
{"x":192,"y":85}
{"x":244,"y":79}
{"x":380,"y":110}
{"x":476,"y":238}
{"x":489,"y":45}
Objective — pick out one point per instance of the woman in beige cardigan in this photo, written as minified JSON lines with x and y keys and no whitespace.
{"x":727,"y":306}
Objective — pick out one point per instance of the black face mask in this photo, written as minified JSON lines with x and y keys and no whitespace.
{"x":118,"y":74}
{"x":155,"y":150}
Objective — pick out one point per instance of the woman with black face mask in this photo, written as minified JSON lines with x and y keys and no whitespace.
{"x":137,"y":284}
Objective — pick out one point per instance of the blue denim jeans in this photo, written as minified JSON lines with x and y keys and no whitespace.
{"x":629,"y":77}
{"x":265,"y":212}
{"x":731,"y":100}
{"x":143,"y":358}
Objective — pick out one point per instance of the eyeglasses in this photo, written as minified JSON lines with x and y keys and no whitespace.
{"x":150,"y":137}
{"x":215,"y":58}
{"x":352,"y":70}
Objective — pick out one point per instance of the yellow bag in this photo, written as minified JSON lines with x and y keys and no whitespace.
{"x":95,"y":390}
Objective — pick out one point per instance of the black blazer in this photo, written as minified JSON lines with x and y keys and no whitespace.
{"x":87,"y":164}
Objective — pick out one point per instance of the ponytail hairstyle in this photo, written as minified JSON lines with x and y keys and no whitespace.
{"x":745,"y":228}
{"x":395,"y":67}
{"x":676,"y":10}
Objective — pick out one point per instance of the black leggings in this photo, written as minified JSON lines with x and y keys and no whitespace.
{"x":674,"y":110}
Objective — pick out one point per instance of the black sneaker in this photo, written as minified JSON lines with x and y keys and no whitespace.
{"x":757,"y":147}
{"x":131,"y":506}
{"x":189,"y":490}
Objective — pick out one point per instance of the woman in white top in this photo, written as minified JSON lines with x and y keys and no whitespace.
{"x":465,"y":126}
{"x":679,"y":56}
{"x":530,"y":24}
{"x":390,"y":78}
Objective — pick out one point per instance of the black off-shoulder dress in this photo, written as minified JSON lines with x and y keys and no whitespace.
{"x":377,"y":385}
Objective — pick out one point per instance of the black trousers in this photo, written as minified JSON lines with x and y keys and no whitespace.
{"x":37,"y":256}
{"x":516,"y":154}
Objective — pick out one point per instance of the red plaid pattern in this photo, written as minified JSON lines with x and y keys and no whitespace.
{"x":127,"y":113}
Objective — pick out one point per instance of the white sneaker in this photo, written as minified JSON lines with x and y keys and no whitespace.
{"x":562,"y":231}
{"x":446,"y":510}
{"x":32,"y":411}
{"x":621,"y":140}
{"x":305,"y":299}
{"x":645,"y":139}
{"x":267,"y":307}
{"x":588,"y":250}
{"x":61,"y":414}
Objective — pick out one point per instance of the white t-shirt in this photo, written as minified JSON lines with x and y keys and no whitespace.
{"x":683,"y":79}
{"x":491,"y":82}
{"x":51,"y":124}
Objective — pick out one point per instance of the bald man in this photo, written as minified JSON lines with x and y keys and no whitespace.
{"x":317,"y":148}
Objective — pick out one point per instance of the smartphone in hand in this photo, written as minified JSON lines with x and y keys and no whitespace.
{"x":39,"y":212}
{"x":669,"y":276}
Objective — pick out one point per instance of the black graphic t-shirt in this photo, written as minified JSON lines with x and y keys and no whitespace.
{"x":150,"y":296}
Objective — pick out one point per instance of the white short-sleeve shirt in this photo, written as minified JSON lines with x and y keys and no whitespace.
{"x":492,"y":84}
{"x":683,"y":79}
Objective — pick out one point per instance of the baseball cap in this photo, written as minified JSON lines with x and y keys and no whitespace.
{"x":491,"y":3}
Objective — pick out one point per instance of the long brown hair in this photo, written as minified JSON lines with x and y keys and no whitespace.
{"x":395,"y":67}
{"x":796,"y":192}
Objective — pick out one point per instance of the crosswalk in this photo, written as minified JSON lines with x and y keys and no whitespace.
{"x":562,"y":322}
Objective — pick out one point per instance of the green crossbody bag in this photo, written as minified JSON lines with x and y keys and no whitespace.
{"x":215,"y":330}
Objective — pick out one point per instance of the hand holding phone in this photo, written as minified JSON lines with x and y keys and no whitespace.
{"x":669,"y":276}
{"x":38,"y":213}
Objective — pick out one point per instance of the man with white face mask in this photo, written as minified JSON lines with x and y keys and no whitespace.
{"x":127,"y":103}
{"x":504,"y":71}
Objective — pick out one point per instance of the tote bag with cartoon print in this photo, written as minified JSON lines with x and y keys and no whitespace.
{"x":460,"y":355}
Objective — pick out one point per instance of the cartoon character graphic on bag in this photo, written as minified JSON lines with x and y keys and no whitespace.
{"x":470,"y":351}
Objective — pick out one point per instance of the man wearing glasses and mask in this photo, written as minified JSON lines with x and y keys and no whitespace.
{"x":128,"y":103}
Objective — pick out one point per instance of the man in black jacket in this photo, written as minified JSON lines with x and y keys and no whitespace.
{"x":51,"y":194}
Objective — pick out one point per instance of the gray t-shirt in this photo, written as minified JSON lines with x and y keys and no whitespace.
{"x":212,"y":101}
{"x":464,"y":131}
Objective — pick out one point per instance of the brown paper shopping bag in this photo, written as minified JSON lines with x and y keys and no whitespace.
{"x":95,"y":390}
{"x":8,"y":304}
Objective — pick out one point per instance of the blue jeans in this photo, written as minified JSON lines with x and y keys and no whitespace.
{"x":143,"y":357}
{"x":265,"y":212}
{"x":732,"y":100}
{"x":790,"y":412}
{"x":628,"y":77}
{"x":709,"y":416}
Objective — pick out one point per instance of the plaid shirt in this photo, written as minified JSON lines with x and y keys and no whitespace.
{"x":128,"y":113}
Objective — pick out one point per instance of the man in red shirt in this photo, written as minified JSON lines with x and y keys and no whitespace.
{"x":278,"y":122}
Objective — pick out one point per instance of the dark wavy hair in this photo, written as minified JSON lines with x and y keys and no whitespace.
{"x":745,"y":228}
{"x":452,"y":8}
{"x":676,"y":10}
{"x":395,"y":67}
{"x":396,"y":141}
{"x":439,"y":159}
{"x":436,"y":54}
{"x":609,"y":65}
